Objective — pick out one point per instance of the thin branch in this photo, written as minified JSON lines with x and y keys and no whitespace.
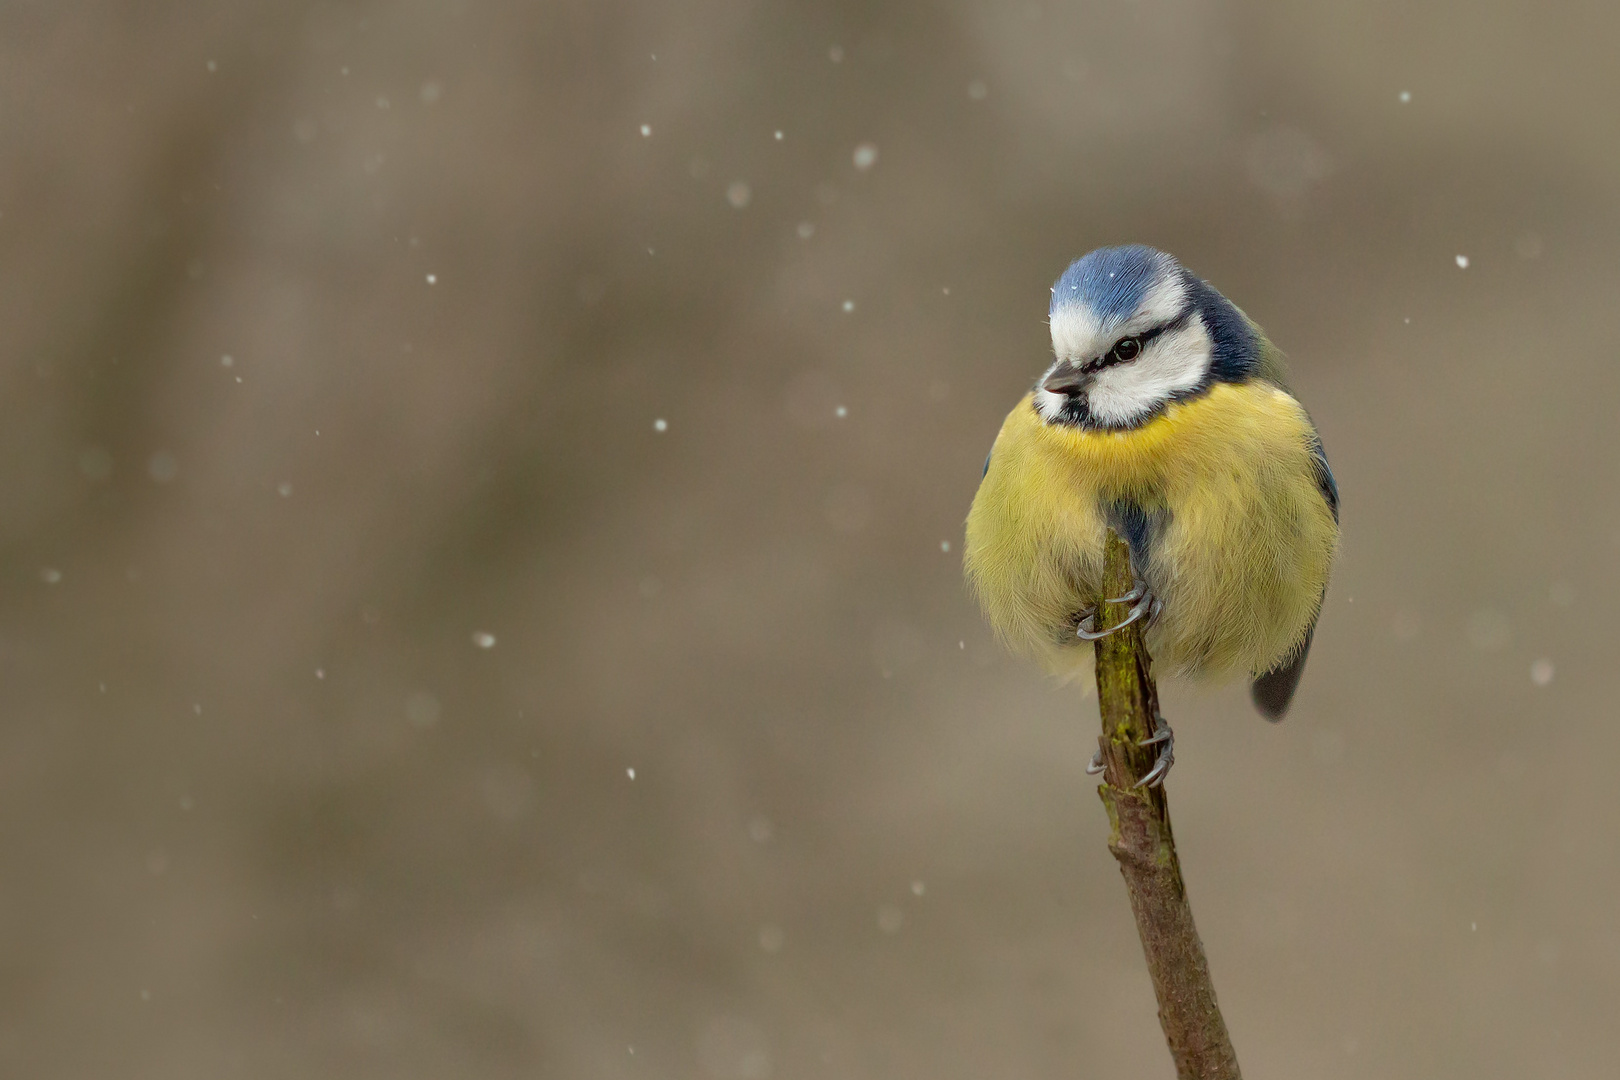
{"x":1141,"y":840}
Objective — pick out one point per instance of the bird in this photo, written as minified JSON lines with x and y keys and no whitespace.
{"x":1164,"y":416}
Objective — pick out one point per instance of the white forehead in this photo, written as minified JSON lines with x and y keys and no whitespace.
{"x":1080,"y":333}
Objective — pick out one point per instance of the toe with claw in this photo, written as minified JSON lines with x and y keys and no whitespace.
{"x":1096,"y":765}
{"x":1165,"y":739}
{"x":1142,"y":602}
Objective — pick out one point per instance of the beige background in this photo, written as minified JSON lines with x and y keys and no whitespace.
{"x":268,"y":810}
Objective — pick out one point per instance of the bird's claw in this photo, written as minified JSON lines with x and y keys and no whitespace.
{"x":1142,"y":601}
{"x":1138,"y":590}
{"x":1162,"y":736}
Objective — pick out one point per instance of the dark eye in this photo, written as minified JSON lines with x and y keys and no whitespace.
{"x":1127,"y":348}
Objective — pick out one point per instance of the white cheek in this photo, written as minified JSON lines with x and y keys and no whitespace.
{"x":1172,"y":363}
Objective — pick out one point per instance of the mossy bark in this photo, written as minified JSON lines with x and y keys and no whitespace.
{"x":1142,"y":842}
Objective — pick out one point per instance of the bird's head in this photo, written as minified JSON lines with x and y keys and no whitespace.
{"x":1133,"y":331}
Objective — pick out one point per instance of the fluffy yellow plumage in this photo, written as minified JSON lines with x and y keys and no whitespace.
{"x":1243,"y":539}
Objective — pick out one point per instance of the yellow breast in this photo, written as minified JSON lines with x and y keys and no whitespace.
{"x":1241,"y":555}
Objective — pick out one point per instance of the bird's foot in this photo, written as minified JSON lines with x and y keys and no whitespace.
{"x":1142,"y":602}
{"x":1162,"y":737}
{"x":1165,"y":739}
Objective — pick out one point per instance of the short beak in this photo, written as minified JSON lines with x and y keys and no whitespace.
{"x":1068,"y":380}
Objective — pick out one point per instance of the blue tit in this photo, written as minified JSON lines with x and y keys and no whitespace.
{"x":1164,"y":417}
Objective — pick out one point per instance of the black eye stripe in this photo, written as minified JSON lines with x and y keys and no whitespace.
{"x":1112,"y":356}
{"x":1109,"y":359}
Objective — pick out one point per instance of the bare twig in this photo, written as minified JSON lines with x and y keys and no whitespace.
{"x":1141,"y":840}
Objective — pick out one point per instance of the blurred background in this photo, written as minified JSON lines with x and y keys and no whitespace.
{"x":483,"y":487}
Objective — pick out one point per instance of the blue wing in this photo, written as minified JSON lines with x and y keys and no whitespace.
{"x":1324,"y":475}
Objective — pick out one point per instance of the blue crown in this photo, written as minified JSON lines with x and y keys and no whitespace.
{"x":1111,"y":281}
